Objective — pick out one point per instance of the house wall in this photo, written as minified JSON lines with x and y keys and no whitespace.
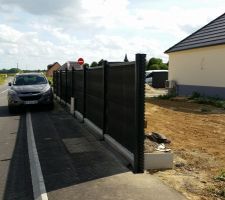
{"x":54,"y":68}
{"x":201,"y":70}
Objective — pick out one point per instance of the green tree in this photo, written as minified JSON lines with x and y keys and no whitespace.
{"x":154,"y":67}
{"x":156,"y":64}
{"x":14,"y":70}
{"x":100,"y":62}
{"x":125,"y":58}
{"x":94,"y":64}
{"x":164,"y":66}
{"x":86,"y":65}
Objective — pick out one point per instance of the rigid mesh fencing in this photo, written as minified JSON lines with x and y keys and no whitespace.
{"x":63,"y":85}
{"x":111,"y":97}
{"x":95,"y":95}
{"x":69,"y":92}
{"x":79,"y":90}
{"x":55,"y":81}
{"x":120,"y":106}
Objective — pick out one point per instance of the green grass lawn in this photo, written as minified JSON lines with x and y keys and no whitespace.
{"x":50,"y":79}
{"x":3,"y":77}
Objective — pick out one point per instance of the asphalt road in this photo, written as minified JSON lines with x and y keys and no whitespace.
{"x":15,"y":179}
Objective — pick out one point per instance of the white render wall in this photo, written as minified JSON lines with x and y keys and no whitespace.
{"x":199,"y":67}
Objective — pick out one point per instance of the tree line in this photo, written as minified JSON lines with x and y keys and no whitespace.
{"x":17,"y":70}
{"x":152,"y":64}
{"x":10,"y":71}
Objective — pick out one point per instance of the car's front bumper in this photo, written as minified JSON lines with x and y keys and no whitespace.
{"x":40,"y":99}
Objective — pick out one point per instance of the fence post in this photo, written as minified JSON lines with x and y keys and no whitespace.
{"x":60,"y":77}
{"x":72,"y":92}
{"x":57,"y":73}
{"x":84,"y":91}
{"x":53,"y":84}
{"x":66,"y":88}
{"x":139,"y":112}
{"x":105,"y":87}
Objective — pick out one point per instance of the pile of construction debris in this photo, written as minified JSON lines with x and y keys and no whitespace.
{"x":157,"y":142}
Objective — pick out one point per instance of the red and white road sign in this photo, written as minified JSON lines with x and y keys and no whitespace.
{"x":80,"y":61}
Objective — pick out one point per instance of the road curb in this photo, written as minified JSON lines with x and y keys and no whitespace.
{"x":39,"y":189}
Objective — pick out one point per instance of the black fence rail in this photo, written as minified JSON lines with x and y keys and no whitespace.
{"x":112,"y":98}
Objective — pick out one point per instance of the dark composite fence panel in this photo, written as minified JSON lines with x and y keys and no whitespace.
{"x":112,"y":97}
{"x":121,"y":104}
{"x":63,"y":85}
{"x":79,"y":90}
{"x":59,"y":84}
{"x":95,"y":95}
{"x":69,"y":86}
{"x":55,"y":82}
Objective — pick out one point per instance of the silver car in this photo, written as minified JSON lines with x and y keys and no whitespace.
{"x":29,"y":89}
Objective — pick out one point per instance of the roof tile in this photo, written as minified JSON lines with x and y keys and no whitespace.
{"x":211,"y":34}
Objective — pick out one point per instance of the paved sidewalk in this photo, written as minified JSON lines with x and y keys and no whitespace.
{"x":77,"y":166}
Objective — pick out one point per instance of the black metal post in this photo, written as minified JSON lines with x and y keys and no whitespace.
{"x":58,"y":86}
{"x":72,"y":88}
{"x":53,"y":86}
{"x":139,"y":112}
{"x":105,"y":78}
{"x":60,"y":77}
{"x":84,"y":91}
{"x":66,"y":86}
{"x":55,"y":82}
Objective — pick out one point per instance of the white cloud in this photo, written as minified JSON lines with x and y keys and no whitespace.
{"x":64,"y":30}
{"x":41,"y":7}
{"x":8,"y":34}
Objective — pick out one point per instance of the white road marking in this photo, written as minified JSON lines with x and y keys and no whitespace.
{"x":4,"y":91}
{"x":38,"y":183}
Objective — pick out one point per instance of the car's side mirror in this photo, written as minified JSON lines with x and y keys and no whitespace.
{"x":9,"y":84}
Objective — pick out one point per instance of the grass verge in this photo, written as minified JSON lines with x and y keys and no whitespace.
{"x":3,"y":77}
{"x":202,"y":99}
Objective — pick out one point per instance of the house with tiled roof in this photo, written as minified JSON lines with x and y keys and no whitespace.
{"x":69,"y":65}
{"x":197,"y":63}
{"x":51,"y":68}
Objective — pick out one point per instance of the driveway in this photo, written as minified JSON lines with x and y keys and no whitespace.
{"x":154,"y":92}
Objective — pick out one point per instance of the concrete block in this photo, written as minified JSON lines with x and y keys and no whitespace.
{"x":79,"y":116}
{"x":158,"y":160}
{"x":93,"y":128}
{"x":72,"y":105}
{"x":120,"y":149}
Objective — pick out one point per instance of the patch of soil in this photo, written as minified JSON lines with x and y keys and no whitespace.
{"x":197,"y":134}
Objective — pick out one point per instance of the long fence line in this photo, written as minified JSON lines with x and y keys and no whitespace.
{"x":110,"y":99}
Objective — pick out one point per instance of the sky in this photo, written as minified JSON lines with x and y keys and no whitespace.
{"x":36,"y":33}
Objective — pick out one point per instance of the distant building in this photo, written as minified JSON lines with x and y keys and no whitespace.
{"x":51,"y":68}
{"x":69,"y":65}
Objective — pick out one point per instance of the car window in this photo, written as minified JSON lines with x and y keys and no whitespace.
{"x":30,"y":80}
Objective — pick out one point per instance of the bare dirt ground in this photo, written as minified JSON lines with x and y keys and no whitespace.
{"x":197,"y":134}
